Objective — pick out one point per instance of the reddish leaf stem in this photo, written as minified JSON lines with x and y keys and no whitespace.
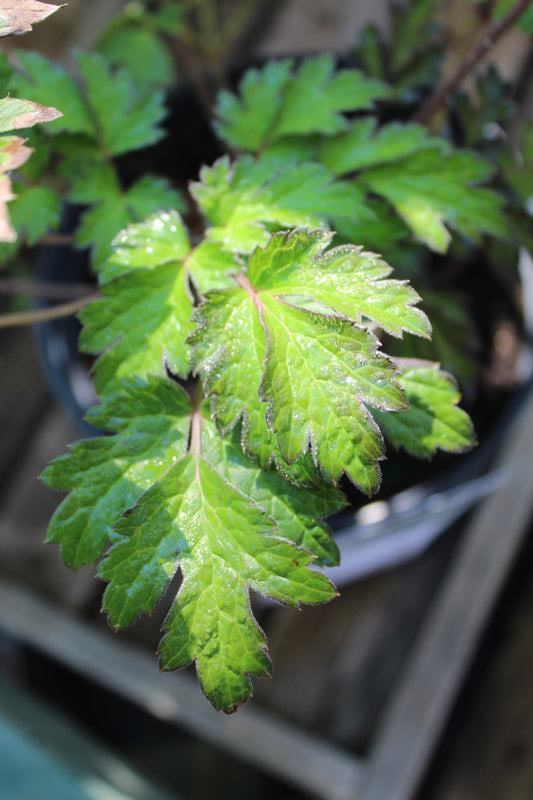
{"x":491,"y":35}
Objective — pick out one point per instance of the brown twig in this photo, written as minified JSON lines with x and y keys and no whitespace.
{"x":44,"y":314}
{"x":57,"y":238}
{"x":491,"y":35}
{"x":55,"y":291}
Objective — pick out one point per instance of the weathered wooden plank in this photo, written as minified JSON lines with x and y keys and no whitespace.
{"x":451,"y":631}
{"x":255,"y":736}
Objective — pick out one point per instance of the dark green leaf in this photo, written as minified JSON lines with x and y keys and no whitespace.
{"x":125,"y":119}
{"x":34,"y":211}
{"x":50,"y":84}
{"x":275,"y":103}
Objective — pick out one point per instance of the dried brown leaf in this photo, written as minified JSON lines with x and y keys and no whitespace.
{"x":18,"y":113}
{"x":17,"y":16}
{"x":7,"y":231}
{"x":13,"y":153}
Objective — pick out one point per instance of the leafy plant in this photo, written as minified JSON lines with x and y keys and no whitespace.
{"x":241,"y":369}
{"x":17,"y":113}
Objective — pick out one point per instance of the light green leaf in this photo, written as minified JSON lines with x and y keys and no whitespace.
{"x":346,"y":281}
{"x":246,"y":123}
{"x":276,"y":103}
{"x":222,"y":543}
{"x":241,"y":199}
{"x":429,"y":189}
{"x":229,"y":349}
{"x":313,"y":99}
{"x":107,"y":475}
{"x":297,"y":510}
{"x":159,"y":239}
{"x":433,"y":420}
{"x":162,"y":238}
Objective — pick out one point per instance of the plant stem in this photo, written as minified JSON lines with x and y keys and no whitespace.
{"x":56,"y":238}
{"x":491,"y":35}
{"x":43,"y":289}
{"x":45,"y":314}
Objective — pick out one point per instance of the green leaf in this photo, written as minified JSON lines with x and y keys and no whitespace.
{"x":209,"y":511}
{"x":141,"y":323}
{"x":107,"y":475}
{"x":429,"y":189}
{"x":319,"y":373}
{"x":223,"y":544}
{"x":365,"y":145}
{"x":525,"y":21}
{"x":411,"y":55}
{"x":125,"y":118}
{"x":241,"y":199}
{"x":48,"y":83}
{"x":433,"y":420}
{"x":380,"y":234}
{"x":34,"y":211}
{"x":312,"y":367}
{"x":297,"y":510}
{"x":141,"y":52}
{"x":163,"y":238}
{"x":143,"y":320}
{"x":117,"y":208}
{"x":275,"y":103}
{"x":346,"y":281}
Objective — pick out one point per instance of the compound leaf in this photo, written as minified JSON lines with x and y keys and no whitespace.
{"x":125,"y":118}
{"x":275,"y":103}
{"x":241,"y":200}
{"x":161,"y":238}
{"x":195,"y":518}
{"x":433,"y":420}
{"x":429,"y":189}
{"x":48,"y":83}
{"x":310,"y":364}
{"x":116,"y":208}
